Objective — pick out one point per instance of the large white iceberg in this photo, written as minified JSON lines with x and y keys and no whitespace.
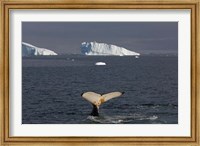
{"x":30,"y":50}
{"x":94,"y":48}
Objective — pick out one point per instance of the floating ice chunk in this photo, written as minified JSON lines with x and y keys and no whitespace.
{"x":136,"y":56}
{"x":100,"y":63}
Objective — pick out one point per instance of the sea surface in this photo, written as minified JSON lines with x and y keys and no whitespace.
{"x":52,"y":88}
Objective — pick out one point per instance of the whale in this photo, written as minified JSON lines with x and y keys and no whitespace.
{"x":97,"y":99}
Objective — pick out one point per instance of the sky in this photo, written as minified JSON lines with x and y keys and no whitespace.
{"x":66,"y":37}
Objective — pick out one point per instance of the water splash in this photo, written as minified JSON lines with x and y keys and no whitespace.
{"x":121,"y":119}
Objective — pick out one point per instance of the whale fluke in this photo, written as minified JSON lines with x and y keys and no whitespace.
{"x":97,"y":99}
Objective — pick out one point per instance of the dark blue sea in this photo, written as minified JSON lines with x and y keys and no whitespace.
{"x":52,"y":88}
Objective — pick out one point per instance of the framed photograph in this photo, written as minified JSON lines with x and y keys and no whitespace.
{"x":99,"y":73}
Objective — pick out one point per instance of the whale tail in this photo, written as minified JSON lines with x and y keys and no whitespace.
{"x":97,"y":99}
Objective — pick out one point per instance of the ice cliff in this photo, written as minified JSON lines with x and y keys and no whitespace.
{"x":94,"y":48}
{"x":30,"y":50}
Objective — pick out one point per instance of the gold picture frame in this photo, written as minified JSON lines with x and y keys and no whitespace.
{"x":7,"y":5}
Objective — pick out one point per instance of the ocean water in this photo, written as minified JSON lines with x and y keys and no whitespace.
{"x":52,"y":88}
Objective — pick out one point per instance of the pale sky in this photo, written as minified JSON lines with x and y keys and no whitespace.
{"x":66,"y":37}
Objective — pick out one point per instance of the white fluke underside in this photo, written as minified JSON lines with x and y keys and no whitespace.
{"x":97,"y":99}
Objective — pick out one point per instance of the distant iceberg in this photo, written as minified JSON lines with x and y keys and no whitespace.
{"x":100,"y":63}
{"x":30,"y":50}
{"x":136,"y":56}
{"x":94,"y":48}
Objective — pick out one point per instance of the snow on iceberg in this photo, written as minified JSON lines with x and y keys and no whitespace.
{"x":94,"y":48}
{"x":30,"y":50}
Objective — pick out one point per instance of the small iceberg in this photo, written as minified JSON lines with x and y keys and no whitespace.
{"x":136,"y":56}
{"x":100,"y":63}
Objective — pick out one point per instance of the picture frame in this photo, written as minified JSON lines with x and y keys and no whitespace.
{"x":7,"y":5}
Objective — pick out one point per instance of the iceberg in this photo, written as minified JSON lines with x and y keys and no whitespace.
{"x":94,"y":48}
{"x":100,"y":63}
{"x":30,"y":50}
